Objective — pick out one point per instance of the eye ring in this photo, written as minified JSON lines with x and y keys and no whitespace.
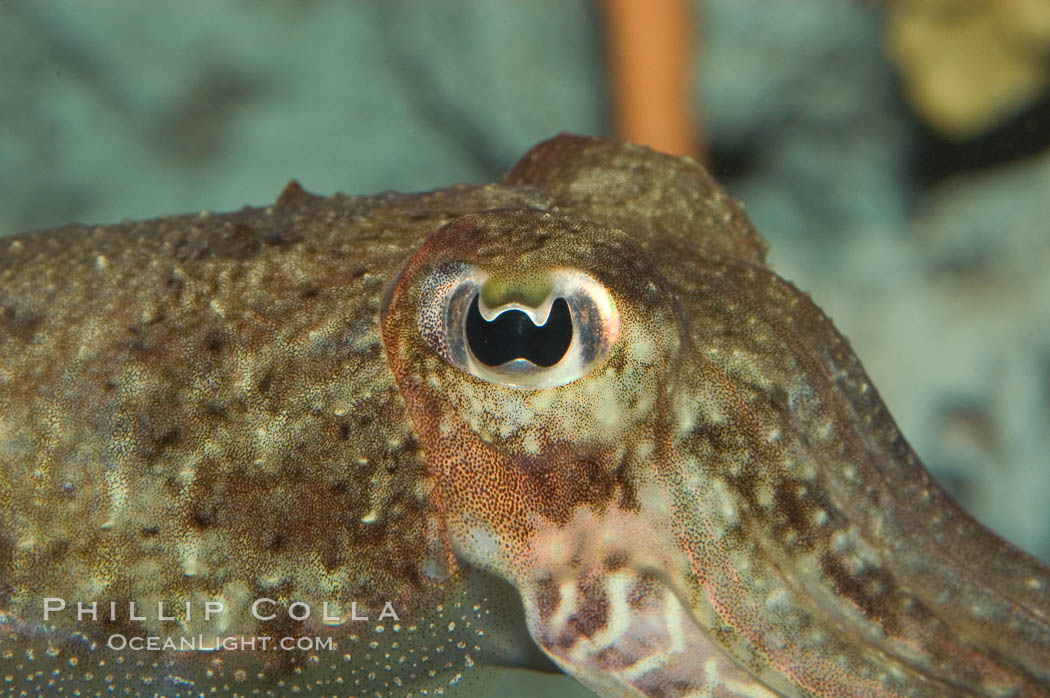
{"x":567,"y":307}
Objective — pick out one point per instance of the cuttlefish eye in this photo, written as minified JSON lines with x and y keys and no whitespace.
{"x":533,"y":331}
{"x":513,"y":335}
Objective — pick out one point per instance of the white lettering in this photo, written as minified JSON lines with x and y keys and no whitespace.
{"x":300,"y":604}
{"x":160,"y":612}
{"x":212,"y":607}
{"x":255,"y":609}
{"x":53,"y":605}
{"x":388,"y":612}
{"x":87,"y":609}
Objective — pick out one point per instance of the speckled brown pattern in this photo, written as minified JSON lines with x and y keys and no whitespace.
{"x":241,"y":406}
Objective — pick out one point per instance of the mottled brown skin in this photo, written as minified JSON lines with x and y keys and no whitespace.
{"x":244,"y":405}
{"x":225,"y":371}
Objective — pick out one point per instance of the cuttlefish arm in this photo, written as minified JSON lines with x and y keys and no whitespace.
{"x":705,"y":495}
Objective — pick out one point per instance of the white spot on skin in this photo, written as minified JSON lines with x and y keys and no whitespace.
{"x":712,"y":412}
{"x":778,"y":600}
{"x":841,"y":542}
{"x":824,"y":429}
{"x":433,"y":569}
{"x":643,"y":349}
{"x":764,"y":496}
{"x":27,"y":541}
{"x":775,"y":641}
{"x":445,"y":425}
{"x":982,"y":611}
{"x":484,"y":544}
{"x":686,"y":414}
{"x":619,"y":615}
{"x":566,"y":607}
{"x":541,"y":400}
{"x":725,"y":500}
{"x":117,"y":489}
{"x":190,"y":563}
{"x":531,"y":443}
{"x":654,"y":503}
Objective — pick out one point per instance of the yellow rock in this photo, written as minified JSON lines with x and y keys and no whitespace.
{"x":968,"y":64}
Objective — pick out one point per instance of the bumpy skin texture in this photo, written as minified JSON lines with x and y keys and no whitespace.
{"x":244,"y":405}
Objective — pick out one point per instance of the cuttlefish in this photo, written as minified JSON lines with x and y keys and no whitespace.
{"x":570,"y":420}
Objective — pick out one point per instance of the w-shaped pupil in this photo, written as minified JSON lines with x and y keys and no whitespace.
{"x":512,"y":335}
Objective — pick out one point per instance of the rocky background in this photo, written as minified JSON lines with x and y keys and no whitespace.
{"x":903,"y":183}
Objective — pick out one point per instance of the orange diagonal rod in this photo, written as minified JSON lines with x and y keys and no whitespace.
{"x":649,"y":47}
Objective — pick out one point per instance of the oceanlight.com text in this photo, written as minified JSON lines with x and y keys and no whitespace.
{"x":210,"y":643}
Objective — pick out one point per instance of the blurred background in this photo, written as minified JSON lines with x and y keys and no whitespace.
{"x":896,"y":154}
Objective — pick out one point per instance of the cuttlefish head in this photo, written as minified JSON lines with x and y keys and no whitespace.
{"x":537,"y":355}
{"x":680,"y":465}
